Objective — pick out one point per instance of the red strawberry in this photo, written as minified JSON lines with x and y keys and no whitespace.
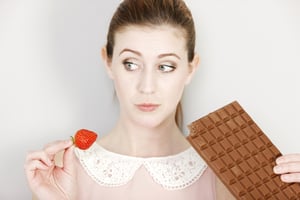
{"x":84,"y":138}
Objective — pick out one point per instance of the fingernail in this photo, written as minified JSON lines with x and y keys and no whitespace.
{"x":277,"y":169}
{"x":279,"y":160}
{"x":286,"y":178}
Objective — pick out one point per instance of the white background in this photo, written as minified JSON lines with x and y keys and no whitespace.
{"x":52,"y":80}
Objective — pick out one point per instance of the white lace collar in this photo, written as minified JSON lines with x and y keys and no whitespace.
{"x":112,"y":169}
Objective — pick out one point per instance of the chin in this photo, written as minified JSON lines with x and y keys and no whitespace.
{"x":149,"y":124}
{"x":150,"y":121}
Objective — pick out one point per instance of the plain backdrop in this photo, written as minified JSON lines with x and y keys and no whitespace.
{"x":52,"y":80}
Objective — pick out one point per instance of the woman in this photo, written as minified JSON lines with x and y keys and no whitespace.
{"x":150,"y":58}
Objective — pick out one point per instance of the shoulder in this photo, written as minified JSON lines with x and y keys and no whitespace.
{"x":222,"y":192}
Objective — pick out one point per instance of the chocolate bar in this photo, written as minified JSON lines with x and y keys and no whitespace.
{"x":240,"y":154}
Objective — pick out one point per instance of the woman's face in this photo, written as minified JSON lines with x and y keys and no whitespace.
{"x":150,"y":69}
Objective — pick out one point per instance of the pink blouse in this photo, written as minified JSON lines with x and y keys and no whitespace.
{"x":105,"y":175}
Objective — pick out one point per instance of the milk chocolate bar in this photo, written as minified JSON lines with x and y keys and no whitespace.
{"x":240,"y":154}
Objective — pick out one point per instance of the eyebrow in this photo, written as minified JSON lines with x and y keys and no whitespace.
{"x":159,"y":56}
{"x":168,"y":54}
{"x":130,"y":50}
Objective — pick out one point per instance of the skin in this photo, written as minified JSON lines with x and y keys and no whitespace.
{"x":288,"y":167}
{"x":46,"y":178}
{"x":149,"y":65}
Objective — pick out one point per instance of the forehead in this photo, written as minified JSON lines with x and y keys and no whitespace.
{"x":155,"y":39}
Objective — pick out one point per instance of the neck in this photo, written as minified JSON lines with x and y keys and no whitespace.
{"x":134,"y":140}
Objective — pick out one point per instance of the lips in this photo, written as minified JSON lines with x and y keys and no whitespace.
{"x":147,"y":107}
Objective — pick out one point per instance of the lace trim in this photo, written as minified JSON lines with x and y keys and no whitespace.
{"x":112,"y":169}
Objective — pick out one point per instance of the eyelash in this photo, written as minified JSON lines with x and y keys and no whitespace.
{"x":164,"y":67}
{"x":128,"y":65}
{"x":171,"y":68}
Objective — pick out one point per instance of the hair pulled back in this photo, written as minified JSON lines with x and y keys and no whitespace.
{"x":154,"y":13}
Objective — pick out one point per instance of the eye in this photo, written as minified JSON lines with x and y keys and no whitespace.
{"x":130,"y":66}
{"x":166,"y":68}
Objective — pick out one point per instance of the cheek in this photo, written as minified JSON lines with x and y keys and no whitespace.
{"x":119,"y":88}
{"x":175,"y":90}
{"x":123,"y":87}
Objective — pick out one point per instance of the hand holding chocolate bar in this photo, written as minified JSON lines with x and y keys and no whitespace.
{"x":243,"y":157}
{"x":288,"y":167}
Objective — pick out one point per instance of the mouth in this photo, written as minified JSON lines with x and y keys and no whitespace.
{"x":147,"y":107}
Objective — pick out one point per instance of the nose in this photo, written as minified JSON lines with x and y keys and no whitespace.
{"x":147,"y":82}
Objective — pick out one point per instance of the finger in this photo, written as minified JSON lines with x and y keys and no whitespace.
{"x":289,"y":178}
{"x":292,"y":167}
{"x":39,"y":155}
{"x":288,"y":158}
{"x":57,"y":146}
{"x":33,"y":166}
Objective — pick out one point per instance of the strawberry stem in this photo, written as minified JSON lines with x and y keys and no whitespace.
{"x":73,"y":139}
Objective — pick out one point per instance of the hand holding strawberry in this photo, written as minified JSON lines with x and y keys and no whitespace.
{"x":45,"y":178}
{"x":50,"y":181}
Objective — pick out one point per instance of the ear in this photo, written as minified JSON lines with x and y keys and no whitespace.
{"x":193,"y":66}
{"x":107,"y":62}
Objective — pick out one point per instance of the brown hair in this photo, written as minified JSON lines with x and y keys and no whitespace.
{"x":154,"y":12}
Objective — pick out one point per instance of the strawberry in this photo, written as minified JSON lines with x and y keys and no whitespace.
{"x":84,"y":138}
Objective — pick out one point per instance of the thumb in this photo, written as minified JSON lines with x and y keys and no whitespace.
{"x":69,"y":160}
